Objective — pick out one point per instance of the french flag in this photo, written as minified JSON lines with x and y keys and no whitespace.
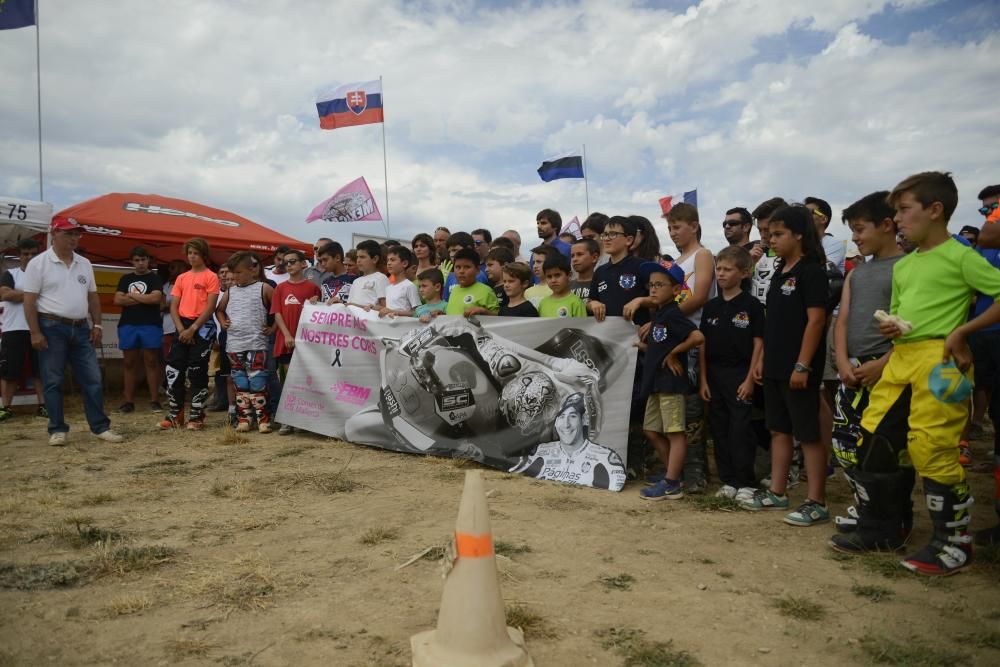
{"x":350,"y":104}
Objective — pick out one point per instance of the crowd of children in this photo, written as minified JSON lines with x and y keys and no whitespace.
{"x":746,"y":336}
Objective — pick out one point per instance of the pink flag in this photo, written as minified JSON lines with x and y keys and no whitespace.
{"x":351,"y":203}
{"x":572,"y":227}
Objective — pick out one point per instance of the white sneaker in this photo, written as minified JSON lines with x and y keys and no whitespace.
{"x":58,"y":439}
{"x":107,"y":436}
{"x":745,"y":492}
{"x":726,"y":492}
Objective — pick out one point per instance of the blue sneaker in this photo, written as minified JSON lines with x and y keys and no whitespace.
{"x":663,"y":490}
{"x":655,"y":478}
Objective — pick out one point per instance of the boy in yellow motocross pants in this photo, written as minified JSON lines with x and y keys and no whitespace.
{"x":926,"y":381}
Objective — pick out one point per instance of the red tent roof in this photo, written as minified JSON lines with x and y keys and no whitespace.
{"x":114,"y":223}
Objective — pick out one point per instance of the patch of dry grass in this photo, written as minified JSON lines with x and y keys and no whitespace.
{"x":532,"y":624}
{"x":229,"y":437}
{"x":125,"y":605}
{"x":41,"y":576}
{"x":247,"y":583}
{"x":101,"y":498}
{"x":378,"y":535}
{"x":186,"y":647}
{"x":117,"y":558}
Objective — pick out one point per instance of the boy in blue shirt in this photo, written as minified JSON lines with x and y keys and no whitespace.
{"x":665,"y":376}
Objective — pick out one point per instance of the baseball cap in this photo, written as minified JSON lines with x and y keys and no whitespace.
{"x":62,"y":223}
{"x":949,"y":384}
{"x":647,"y":269}
{"x":970,"y":229}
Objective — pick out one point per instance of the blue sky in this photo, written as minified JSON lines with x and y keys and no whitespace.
{"x":214,"y":102}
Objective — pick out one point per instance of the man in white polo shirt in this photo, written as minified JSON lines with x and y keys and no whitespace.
{"x":59,"y":293}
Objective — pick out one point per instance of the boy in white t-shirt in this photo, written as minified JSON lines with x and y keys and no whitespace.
{"x":401,"y":297}
{"x":368,"y":289}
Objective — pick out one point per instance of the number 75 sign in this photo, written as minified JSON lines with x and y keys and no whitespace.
{"x":20,"y":218}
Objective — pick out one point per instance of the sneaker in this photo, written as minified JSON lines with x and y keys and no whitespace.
{"x":726,"y":492}
{"x":286,"y":429}
{"x":195,"y":425}
{"x":155,"y":406}
{"x":745,"y":492}
{"x":58,"y":439}
{"x":794,"y":478}
{"x":655,"y":478}
{"x":964,"y":454}
{"x":243,"y":427}
{"x":808,"y":513}
{"x":109,"y":436}
{"x":40,"y":411}
{"x":5,"y":414}
{"x":171,"y":422}
{"x":764,"y":499}
{"x":126,"y":408}
{"x":663,"y":490}
{"x":264,"y":427}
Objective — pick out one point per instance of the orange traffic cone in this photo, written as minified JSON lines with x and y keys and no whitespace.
{"x":472,"y":627}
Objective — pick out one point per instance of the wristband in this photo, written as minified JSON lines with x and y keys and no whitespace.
{"x":801,"y":368}
{"x":98,"y":326}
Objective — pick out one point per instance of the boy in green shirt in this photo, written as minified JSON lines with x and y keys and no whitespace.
{"x":562,"y":302}
{"x":469,"y":297}
{"x":921,"y":399}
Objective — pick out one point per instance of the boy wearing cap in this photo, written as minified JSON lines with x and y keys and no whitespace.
{"x":140,"y":329}
{"x":931,"y":290}
{"x":59,"y":294}
{"x":665,"y":377}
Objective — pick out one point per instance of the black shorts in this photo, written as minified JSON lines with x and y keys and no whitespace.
{"x":794,"y":412}
{"x":15,"y":352}
{"x":985,"y":346}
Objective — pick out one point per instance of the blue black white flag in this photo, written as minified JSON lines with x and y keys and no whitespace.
{"x":16,"y":14}
{"x":567,"y":165}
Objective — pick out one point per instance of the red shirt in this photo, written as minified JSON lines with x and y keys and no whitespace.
{"x":289,"y":299}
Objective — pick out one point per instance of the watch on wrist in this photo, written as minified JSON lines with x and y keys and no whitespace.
{"x":801,"y":368}
{"x":98,"y":326}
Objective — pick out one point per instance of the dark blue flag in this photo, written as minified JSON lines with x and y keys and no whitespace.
{"x":563,"y":166}
{"x":16,"y":14}
{"x":691,"y":197}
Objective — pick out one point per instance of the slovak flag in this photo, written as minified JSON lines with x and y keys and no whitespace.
{"x":350,"y":104}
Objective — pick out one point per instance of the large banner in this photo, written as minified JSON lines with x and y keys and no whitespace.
{"x":548,"y":397}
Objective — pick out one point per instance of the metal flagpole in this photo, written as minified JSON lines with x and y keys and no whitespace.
{"x":385,"y":161}
{"x":586,"y":190}
{"x":38,"y":79}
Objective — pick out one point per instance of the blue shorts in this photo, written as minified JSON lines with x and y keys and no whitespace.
{"x":140,"y":337}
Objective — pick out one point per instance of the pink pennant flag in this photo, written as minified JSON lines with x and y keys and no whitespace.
{"x":572,"y":227}
{"x":352,"y":203}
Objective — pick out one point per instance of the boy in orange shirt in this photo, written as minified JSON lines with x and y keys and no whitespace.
{"x":195,"y":294}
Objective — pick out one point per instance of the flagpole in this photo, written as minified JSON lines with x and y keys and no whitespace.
{"x":586,"y":190}
{"x":385,"y":161}
{"x":38,"y":80}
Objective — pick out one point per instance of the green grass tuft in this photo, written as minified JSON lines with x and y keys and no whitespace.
{"x":873,"y":593}
{"x":621,"y":582}
{"x":911,"y":653}
{"x":509,"y":549}
{"x":637,"y":651}
{"x":799,"y":608}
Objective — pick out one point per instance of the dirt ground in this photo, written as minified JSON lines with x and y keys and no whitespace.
{"x":178,"y":548}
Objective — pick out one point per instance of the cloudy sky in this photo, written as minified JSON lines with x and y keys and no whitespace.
{"x":214,"y":101}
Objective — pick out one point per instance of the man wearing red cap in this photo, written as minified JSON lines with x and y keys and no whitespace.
{"x":59,"y":293}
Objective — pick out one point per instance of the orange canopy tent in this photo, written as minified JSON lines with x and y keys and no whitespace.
{"x":114,"y":223}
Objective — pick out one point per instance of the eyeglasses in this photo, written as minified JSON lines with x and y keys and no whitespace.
{"x":292,"y":261}
{"x":658,"y":285}
{"x":610,"y":236}
{"x":989,"y":208}
{"x":732,"y":223}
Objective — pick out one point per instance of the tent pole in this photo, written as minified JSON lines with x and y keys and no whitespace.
{"x":586,"y":190}
{"x":385,"y":161}
{"x":38,"y":80}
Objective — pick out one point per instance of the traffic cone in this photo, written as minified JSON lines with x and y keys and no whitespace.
{"x":472,"y":627}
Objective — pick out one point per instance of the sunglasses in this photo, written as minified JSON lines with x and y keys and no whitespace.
{"x":818,"y":213}
{"x":479,"y":242}
{"x":989,"y":208}
{"x":732,"y":223}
